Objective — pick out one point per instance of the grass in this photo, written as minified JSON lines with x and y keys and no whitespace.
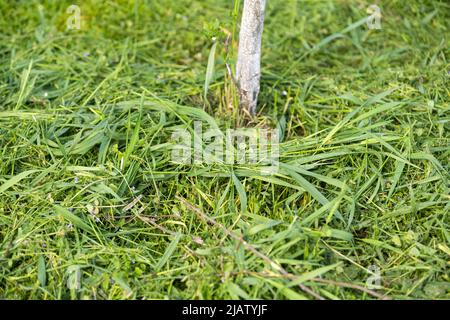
{"x":92,"y":207}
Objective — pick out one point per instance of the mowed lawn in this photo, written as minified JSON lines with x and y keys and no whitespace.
{"x":93,"y":207}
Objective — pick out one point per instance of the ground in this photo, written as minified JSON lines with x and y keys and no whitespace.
{"x":93,"y":207}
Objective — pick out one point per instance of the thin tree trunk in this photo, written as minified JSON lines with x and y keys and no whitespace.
{"x":248,"y":68}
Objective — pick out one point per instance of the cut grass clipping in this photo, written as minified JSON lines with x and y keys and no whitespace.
{"x":92,"y":207}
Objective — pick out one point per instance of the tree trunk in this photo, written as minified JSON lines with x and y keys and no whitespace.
{"x":248,"y":68}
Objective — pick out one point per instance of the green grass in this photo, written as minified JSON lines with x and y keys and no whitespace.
{"x":363,"y":179}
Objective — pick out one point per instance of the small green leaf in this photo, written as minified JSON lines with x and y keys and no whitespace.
{"x":41,"y":271}
{"x":313,"y":274}
{"x":241,"y":191}
{"x":210,"y":68}
{"x":236,"y":292}
{"x":287,"y":292}
{"x":16,"y":179}
{"x":77,"y":221}
{"x":168,"y":253}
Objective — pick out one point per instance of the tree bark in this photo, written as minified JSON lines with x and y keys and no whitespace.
{"x":248,"y":68}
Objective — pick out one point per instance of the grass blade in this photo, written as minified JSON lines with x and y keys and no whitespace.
{"x":168,"y":253}
{"x":210,"y":69}
{"x":16,"y":179}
